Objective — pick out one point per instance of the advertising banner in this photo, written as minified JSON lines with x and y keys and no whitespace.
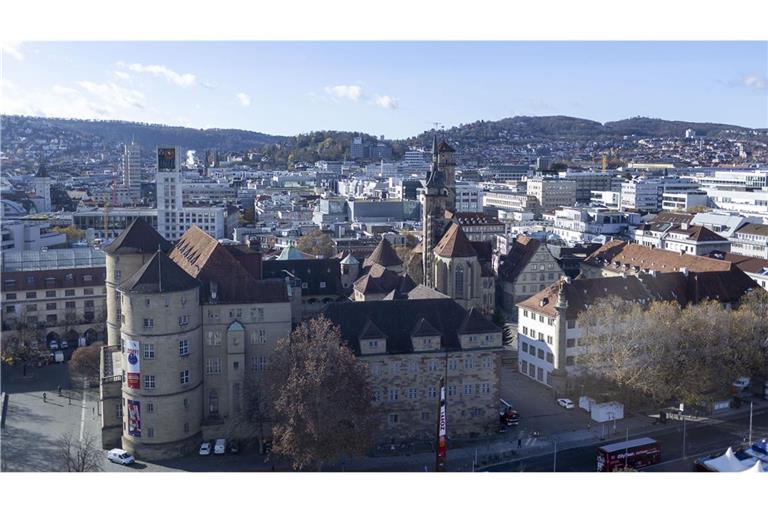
{"x":441,"y":431}
{"x":166,"y":158}
{"x":133,"y":368}
{"x":134,"y":418}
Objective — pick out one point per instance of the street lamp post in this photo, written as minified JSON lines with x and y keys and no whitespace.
{"x":683,"y":436}
{"x":554,"y":461}
{"x":750,"y":422}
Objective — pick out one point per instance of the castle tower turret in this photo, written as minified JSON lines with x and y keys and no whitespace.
{"x":350,"y":270}
{"x":559,"y":374}
{"x":446,"y":159}
{"x":433,"y":215}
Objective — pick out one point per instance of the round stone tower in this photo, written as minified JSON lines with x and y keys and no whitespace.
{"x":162,"y":360}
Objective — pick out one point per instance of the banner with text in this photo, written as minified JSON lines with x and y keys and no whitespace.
{"x":134,"y":418}
{"x":133,"y":369}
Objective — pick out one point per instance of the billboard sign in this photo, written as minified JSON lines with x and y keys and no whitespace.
{"x":134,"y":418}
{"x":133,"y":368}
{"x":166,"y":158}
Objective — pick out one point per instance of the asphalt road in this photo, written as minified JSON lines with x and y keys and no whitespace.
{"x":700,"y":440}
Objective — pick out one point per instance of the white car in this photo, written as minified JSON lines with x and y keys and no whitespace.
{"x":220,"y":448}
{"x":205,"y":449}
{"x":741,"y":383}
{"x":64,"y":344}
{"x":564,"y":402}
{"x":120,"y":456}
{"x":54,"y":345}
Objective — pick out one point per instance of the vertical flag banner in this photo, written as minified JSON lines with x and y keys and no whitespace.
{"x":441,"y":430}
{"x":133,"y":369}
{"x":134,"y":418}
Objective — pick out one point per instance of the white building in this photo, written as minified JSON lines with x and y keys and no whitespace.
{"x":607,"y":198}
{"x":132,"y":171}
{"x":744,"y":202}
{"x":469,"y":197}
{"x":682,"y":201}
{"x":751,"y":240}
{"x":585,"y":224}
{"x":23,"y":235}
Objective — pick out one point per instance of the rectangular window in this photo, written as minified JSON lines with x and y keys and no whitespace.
{"x":467,"y":389}
{"x":533,"y":334}
{"x":540,"y":354}
{"x":119,"y":410}
{"x":51,"y":306}
{"x":571,"y":324}
{"x":31,"y":295}
{"x":525,"y":331}
{"x":570,"y":342}
{"x":469,"y":363}
{"x":549,"y":340}
{"x":213,"y":366}
{"x":451,"y":390}
{"x":69,"y":293}
{"x":183,"y":348}
{"x":432,"y":365}
{"x":539,"y":374}
{"x":485,"y":388}
{"x":87,"y":291}
{"x":550,"y":357}
{"x":413,"y":394}
{"x":453,"y":364}
{"x":31,"y":307}
{"x":149,"y":382}
{"x":50,"y":293}
{"x":394,"y":394}
{"x":12,"y":296}
{"x":183,"y":320}
{"x":149,"y":350}
{"x":432,"y":392}
{"x":184,"y":377}
{"x":487,"y":362}
{"x":524,"y":366}
{"x":569,"y":361}
{"x":150,"y":407}
{"x":150,"y":432}
{"x":377,"y":396}
{"x":149,"y":323}
{"x":525,"y":313}
{"x":392,"y":419}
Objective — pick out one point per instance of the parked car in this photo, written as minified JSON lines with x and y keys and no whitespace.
{"x":741,"y":384}
{"x":64,"y":344}
{"x":565,"y":402}
{"x":234,"y":446}
{"x":58,"y":356}
{"x":205,"y":449}
{"x":119,"y":456}
{"x":54,"y":345}
{"x":220,"y":448}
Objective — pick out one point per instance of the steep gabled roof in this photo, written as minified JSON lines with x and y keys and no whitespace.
{"x":699,"y":234}
{"x":520,"y":254}
{"x":370,"y":331}
{"x":203,"y":257}
{"x":384,"y":255}
{"x":292,"y":253}
{"x":380,"y":279}
{"x":748,"y":264}
{"x":159,"y":275}
{"x":140,"y":238}
{"x":443,"y":147}
{"x":455,"y":244}
{"x":424,"y":328}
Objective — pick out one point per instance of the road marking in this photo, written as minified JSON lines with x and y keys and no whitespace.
{"x":82,"y":413}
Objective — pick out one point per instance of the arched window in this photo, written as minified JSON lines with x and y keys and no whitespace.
{"x":213,"y":403}
{"x":459,"y":282}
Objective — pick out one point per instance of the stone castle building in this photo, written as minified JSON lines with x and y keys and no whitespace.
{"x":190,"y":329}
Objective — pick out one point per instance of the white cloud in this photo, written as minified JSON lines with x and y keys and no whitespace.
{"x":122,"y":75}
{"x":12,"y":49}
{"x":345,"y":92}
{"x":387,"y":102}
{"x":113,"y":96}
{"x":244,"y":99}
{"x":158,"y":70}
{"x":754,"y":81}
{"x":209,"y":85}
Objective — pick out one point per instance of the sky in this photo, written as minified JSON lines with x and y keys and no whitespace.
{"x":395,"y":89}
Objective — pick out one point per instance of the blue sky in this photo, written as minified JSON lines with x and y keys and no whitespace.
{"x":396,"y":89}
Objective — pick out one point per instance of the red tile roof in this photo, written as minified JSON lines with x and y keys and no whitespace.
{"x":620,"y":256}
{"x":455,"y":244}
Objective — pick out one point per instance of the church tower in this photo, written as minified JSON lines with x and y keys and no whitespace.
{"x":446,"y":160}
{"x":433,"y":214}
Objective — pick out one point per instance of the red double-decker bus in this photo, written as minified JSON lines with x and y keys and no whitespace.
{"x":634,"y":454}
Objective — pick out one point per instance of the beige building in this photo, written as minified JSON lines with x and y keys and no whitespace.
{"x":551,"y":193}
{"x":431,"y":338}
{"x":527,"y":269}
{"x":191,"y":328}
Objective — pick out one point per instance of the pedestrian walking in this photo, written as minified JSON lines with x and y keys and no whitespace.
{"x":70,"y":400}
{"x":45,"y":397}
{"x":59,"y":390}
{"x":519,"y":443}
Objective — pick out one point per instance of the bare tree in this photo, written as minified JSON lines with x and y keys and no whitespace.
{"x":321,"y":396}
{"x":317,"y":243}
{"x":81,"y":455}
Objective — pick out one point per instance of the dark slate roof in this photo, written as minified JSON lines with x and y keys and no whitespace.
{"x":520,"y":254}
{"x":140,"y":238}
{"x":313,"y":272}
{"x":725,"y":286}
{"x":699,"y":234}
{"x":424,"y":328}
{"x":455,"y":244}
{"x":384,"y":255}
{"x":42,"y":171}
{"x":397,"y":319}
{"x":159,"y":275}
{"x":475,"y":323}
{"x":22,"y":280}
{"x":418,"y":292}
{"x":382,"y":280}
{"x":754,"y":229}
{"x":748,"y":264}
{"x":370,"y":331}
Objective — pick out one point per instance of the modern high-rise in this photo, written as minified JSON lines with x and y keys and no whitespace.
{"x":169,"y":200}
{"x":132,"y":171}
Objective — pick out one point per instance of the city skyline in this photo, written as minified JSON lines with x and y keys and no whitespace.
{"x":396,"y":89}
